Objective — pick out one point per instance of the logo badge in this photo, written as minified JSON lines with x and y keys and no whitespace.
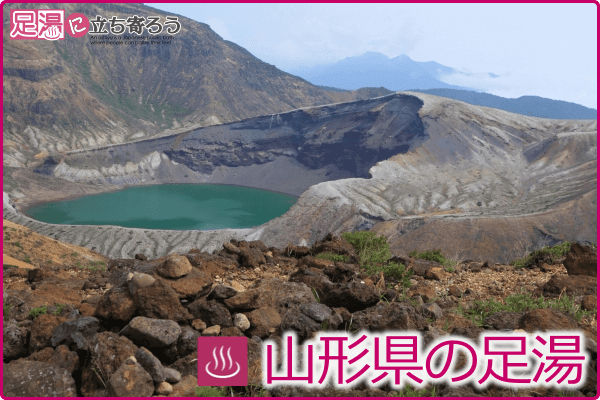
{"x":222,"y":361}
{"x":37,"y":24}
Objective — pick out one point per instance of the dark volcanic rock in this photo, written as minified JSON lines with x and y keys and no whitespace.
{"x":15,"y":340}
{"x":546,"y":320}
{"x":354,"y":296}
{"x":295,"y":320}
{"x":211,"y":312}
{"x":581,"y":260}
{"x":317,"y":311}
{"x":37,"y":379}
{"x":130,"y":380}
{"x":420,"y":267}
{"x":275,"y":293}
{"x":334,"y":244}
{"x":151,"y":364}
{"x":161,"y":302}
{"x":41,"y":331}
{"x":116,"y":304}
{"x":504,"y":320}
{"x":252,"y":258}
{"x":263,"y":321}
{"x":78,"y":331}
{"x":222,"y":292}
{"x":383,"y":317}
{"x":195,"y":284}
{"x":573,"y":285}
{"x":152,"y":333}
{"x":107,"y":352}
{"x":60,"y":357}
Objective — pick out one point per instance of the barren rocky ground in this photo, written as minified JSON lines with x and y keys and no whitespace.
{"x":131,"y":329}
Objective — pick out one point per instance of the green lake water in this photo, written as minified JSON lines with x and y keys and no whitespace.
{"x":180,"y":207}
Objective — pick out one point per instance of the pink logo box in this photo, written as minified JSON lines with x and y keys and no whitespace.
{"x":37,"y":24}
{"x":222,"y":361}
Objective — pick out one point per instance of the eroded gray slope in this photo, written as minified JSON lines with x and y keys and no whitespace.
{"x":472,"y":172}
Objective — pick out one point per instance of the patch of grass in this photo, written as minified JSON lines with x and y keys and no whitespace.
{"x":6,"y":307}
{"x":63,"y":256}
{"x":450,"y":269}
{"x":74,"y":254}
{"x":314,"y":292}
{"x":332,"y":257}
{"x":408,"y":391}
{"x":17,"y":244}
{"x":36,"y":312}
{"x":9,"y":266}
{"x":324,"y":325}
{"x":13,"y":229}
{"x":548,"y":255}
{"x":27,"y":259}
{"x":434,"y":255}
{"x":520,"y":303}
{"x":370,"y":248}
{"x":373,"y":253}
{"x":210,"y":391}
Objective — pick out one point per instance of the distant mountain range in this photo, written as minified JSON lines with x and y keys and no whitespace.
{"x":375,"y":69}
{"x":533,"y":106}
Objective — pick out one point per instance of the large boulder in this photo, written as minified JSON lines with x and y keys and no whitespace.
{"x":151,"y":364}
{"x":41,"y":331}
{"x":106,"y":354}
{"x":275,"y":293}
{"x":160,"y":301}
{"x":152,"y":333}
{"x":573,"y":285}
{"x":37,"y":379}
{"x":252,"y":258}
{"x":78,"y":331}
{"x":61,"y":357}
{"x":195,"y":284}
{"x":116,"y":304}
{"x":211,"y":312}
{"x":264,"y":321}
{"x":355,"y":296}
{"x":175,"y":266}
{"x":546,"y":319}
{"x":15,"y":340}
{"x":504,"y":320}
{"x":130,"y":380}
{"x":581,"y":260}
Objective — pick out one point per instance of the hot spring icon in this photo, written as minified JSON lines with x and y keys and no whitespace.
{"x":220,"y":373}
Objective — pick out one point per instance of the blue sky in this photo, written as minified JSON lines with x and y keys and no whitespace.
{"x":547,"y":50}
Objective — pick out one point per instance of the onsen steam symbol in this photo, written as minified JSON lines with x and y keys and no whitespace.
{"x":223,"y":362}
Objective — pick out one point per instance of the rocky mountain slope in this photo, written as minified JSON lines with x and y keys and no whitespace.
{"x":132,"y":329}
{"x":423,"y":170}
{"x":533,"y":106}
{"x":70,"y":94}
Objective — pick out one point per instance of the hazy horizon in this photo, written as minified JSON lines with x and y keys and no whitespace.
{"x":547,"y":50}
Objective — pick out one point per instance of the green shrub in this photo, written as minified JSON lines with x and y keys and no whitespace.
{"x":373,"y":253}
{"x":59,"y":308}
{"x":332,"y":257}
{"x":433,"y":255}
{"x":17,"y":244}
{"x":210,"y":391}
{"x":548,"y":255}
{"x":36,"y":312}
{"x":520,"y":303}
{"x":370,"y":248}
